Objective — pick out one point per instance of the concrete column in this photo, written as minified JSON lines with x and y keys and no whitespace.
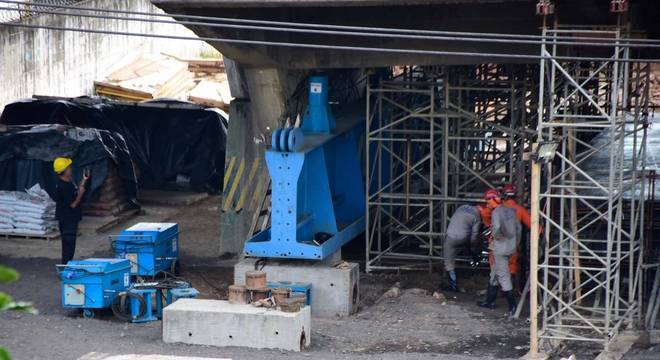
{"x":252,"y":118}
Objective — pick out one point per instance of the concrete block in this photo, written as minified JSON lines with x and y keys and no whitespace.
{"x":219,"y":323}
{"x":335,"y":291}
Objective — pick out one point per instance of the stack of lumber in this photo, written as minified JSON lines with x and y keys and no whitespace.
{"x":211,"y":93}
{"x":112,"y":199}
{"x":209,"y":66}
{"x":200,"y":81}
{"x":148,"y":77}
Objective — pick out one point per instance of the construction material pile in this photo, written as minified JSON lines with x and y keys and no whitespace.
{"x":111,"y":199}
{"x":160,"y":145}
{"x":154,"y":76}
{"x":654,"y":83}
{"x":27,"y":213}
{"x":285,"y":296}
{"x":27,"y":154}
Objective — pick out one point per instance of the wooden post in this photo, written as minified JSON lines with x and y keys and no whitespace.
{"x":533,"y":259}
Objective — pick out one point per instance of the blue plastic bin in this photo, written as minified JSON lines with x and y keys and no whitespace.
{"x":150,"y":247}
{"x":93,"y":283}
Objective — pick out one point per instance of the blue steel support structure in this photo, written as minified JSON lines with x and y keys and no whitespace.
{"x":318,"y":192}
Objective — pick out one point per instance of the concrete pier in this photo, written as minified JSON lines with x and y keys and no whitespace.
{"x":335,"y":290}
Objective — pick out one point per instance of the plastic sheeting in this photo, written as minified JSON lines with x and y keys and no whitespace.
{"x":173,"y":144}
{"x":27,"y":154}
{"x":598,"y":166}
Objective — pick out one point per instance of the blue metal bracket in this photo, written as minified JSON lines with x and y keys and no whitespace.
{"x":318,"y":117}
{"x":317,"y":188}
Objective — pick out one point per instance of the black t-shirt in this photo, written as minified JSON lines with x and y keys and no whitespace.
{"x":66,"y":194}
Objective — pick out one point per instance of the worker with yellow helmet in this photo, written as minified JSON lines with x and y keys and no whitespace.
{"x":68,"y":211}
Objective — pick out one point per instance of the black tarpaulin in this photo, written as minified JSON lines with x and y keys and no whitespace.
{"x":27,"y":154}
{"x":173,"y":144}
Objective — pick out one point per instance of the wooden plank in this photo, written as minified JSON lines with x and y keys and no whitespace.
{"x":534,"y":257}
{"x":211,"y":93}
{"x":110,"y":88}
{"x":120,"y":218}
{"x":171,"y":198}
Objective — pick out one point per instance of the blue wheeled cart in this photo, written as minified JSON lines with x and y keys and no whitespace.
{"x":93,"y":283}
{"x":150,"y":248}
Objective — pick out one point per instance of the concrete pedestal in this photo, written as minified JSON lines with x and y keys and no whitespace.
{"x":335,"y":291}
{"x":219,"y":323}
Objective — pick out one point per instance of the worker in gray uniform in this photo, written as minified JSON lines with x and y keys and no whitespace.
{"x":506,"y":232}
{"x":463,"y":230}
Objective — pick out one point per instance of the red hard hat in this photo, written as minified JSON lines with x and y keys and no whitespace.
{"x":491,"y":194}
{"x":509,"y":190}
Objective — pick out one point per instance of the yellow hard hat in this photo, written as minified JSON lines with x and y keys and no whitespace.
{"x":60,"y":164}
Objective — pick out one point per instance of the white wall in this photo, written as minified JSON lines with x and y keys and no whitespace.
{"x":65,"y":63}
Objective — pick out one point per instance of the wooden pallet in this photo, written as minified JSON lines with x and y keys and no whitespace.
{"x":48,"y":237}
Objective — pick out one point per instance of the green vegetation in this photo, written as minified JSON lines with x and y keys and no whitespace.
{"x":210,"y":53}
{"x":8,"y":275}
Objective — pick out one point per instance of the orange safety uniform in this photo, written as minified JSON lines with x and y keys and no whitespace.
{"x":521,"y":212}
{"x":523,"y":215}
{"x":486,"y":215}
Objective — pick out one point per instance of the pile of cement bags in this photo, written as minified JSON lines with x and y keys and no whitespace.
{"x":27,"y":213}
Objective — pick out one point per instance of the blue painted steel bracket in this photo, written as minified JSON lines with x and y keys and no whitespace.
{"x":317,"y":188}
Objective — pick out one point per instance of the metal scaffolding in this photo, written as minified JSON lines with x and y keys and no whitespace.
{"x":416,"y":175}
{"x":403,"y":138}
{"x":589,"y":284}
{"x":437,"y":137}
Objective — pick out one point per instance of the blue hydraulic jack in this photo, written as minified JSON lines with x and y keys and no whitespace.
{"x":144,"y":302}
{"x":317,"y":188}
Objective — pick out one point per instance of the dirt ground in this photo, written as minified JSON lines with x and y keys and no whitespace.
{"x":414,"y":325}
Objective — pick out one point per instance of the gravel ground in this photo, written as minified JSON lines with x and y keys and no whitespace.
{"x":413,"y":325}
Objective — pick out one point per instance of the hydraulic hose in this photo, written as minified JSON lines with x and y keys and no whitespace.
{"x":121,"y":306}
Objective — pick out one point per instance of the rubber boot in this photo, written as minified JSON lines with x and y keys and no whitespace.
{"x":451,"y":278}
{"x":491,"y":296}
{"x":511,"y":300}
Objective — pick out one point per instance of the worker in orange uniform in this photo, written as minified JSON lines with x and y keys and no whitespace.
{"x":505,"y":239}
{"x":509,"y":193}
